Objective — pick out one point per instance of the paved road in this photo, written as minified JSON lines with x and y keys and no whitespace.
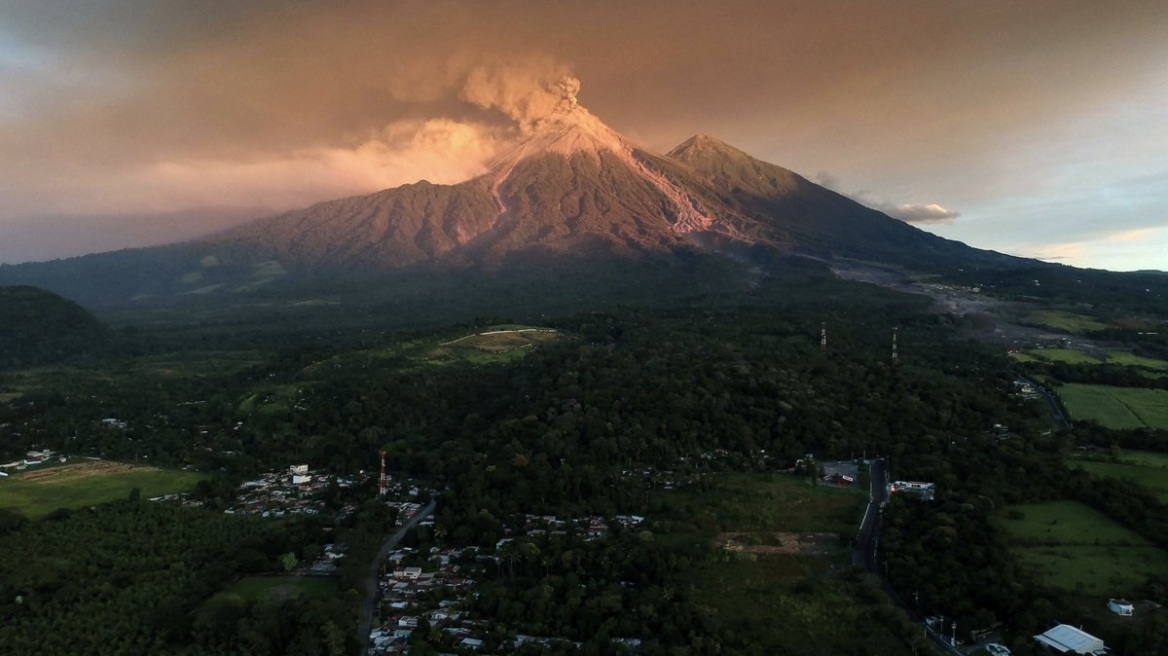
{"x":1056,"y":413}
{"x":869,"y":535}
{"x":365,"y":622}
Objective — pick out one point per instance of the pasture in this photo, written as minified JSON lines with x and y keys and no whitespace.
{"x":1081,"y":551}
{"x":280,"y":588}
{"x":1069,"y":322}
{"x":763,"y":502}
{"x":1146,"y":469}
{"x":1116,"y":407}
{"x":39,"y":492}
{"x":495,"y":344}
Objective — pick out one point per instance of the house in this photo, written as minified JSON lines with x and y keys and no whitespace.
{"x":1120,"y":607}
{"x":472,"y":644}
{"x":298,"y":469}
{"x":1066,"y":639}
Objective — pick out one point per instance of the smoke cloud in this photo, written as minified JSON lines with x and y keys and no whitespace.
{"x":527,"y":92}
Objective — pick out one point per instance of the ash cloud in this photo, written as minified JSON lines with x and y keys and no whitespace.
{"x":527,"y":92}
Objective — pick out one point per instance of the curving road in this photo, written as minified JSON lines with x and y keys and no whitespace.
{"x":364,"y":623}
{"x":1056,"y":413}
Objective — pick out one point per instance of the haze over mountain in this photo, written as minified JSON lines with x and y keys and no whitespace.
{"x":572,"y":191}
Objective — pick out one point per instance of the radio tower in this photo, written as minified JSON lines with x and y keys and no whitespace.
{"x":895,"y":357}
{"x":383,"y":482}
{"x":823,"y":337}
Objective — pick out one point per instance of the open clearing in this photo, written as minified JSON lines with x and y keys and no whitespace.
{"x":1067,"y":321}
{"x":763,"y":503}
{"x":280,"y":588}
{"x":1074,"y":356}
{"x":495,"y":344}
{"x":1116,"y":407}
{"x":39,"y":492}
{"x":1081,"y":551}
{"x":1146,"y":469}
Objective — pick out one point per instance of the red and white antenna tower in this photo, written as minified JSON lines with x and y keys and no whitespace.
{"x":383,"y":481}
{"x":823,"y":337}
{"x":895,"y":357}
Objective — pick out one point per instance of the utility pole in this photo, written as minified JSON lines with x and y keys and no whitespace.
{"x":383,"y":480}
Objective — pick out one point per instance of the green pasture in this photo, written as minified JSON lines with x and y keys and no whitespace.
{"x":1133,"y":360}
{"x":39,"y":497}
{"x":1068,"y":356}
{"x":770,"y":599}
{"x":1116,"y":407}
{"x":1080,"y":550}
{"x":769,"y":501}
{"x":279,"y":588}
{"x":1068,"y":322}
{"x":1147,"y":469}
{"x":1073,"y":356}
{"x":491,"y":345}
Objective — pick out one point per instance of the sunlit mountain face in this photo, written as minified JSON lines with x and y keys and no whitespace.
{"x":571,"y":191}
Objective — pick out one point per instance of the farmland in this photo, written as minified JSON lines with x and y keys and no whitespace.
{"x":1116,"y":407}
{"x":1069,"y":322}
{"x":39,"y":492}
{"x":1147,"y":469}
{"x":1074,"y":356}
{"x":764,"y":503}
{"x":1081,"y":551}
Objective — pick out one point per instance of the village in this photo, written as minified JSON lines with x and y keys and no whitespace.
{"x":431,"y":591}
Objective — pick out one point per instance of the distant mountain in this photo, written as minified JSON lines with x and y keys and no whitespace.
{"x":38,"y":327}
{"x":573,"y":194}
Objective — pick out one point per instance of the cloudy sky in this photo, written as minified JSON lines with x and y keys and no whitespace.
{"x":1038,"y":128}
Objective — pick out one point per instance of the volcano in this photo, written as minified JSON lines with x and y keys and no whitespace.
{"x":571,"y":191}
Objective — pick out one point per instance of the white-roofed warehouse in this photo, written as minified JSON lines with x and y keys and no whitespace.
{"x":1066,"y":639}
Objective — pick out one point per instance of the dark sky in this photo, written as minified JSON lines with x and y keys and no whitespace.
{"x":1036,"y":128}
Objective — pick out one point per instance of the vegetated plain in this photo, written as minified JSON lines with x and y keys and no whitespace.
{"x":781,"y":537}
{"x":1074,"y":356}
{"x":1145,"y":468}
{"x":1070,"y":322}
{"x":39,"y":492}
{"x":1081,"y":551}
{"x":1116,"y":407}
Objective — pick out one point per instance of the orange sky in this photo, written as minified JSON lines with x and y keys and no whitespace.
{"x":1036,"y":128}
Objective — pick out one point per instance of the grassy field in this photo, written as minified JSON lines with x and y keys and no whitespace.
{"x":1147,"y":469}
{"x":278,"y":588}
{"x":785,"y":601}
{"x":39,"y":492}
{"x":1069,"y":356}
{"x":1133,"y":360}
{"x":1081,"y":551}
{"x":1069,"y":322}
{"x":1116,"y":407}
{"x":494,"y":344}
{"x":776,"y":502}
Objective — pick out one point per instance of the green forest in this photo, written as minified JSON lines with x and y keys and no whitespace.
{"x":703,"y":390}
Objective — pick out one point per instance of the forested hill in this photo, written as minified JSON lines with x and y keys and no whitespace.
{"x":38,"y":327}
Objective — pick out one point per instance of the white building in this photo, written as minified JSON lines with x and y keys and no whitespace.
{"x":1120,"y":607}
{"x":299,"y":469}
{"x":1066,"y":639}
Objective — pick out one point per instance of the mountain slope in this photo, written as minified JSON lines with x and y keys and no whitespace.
{"x":571,"y":193}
